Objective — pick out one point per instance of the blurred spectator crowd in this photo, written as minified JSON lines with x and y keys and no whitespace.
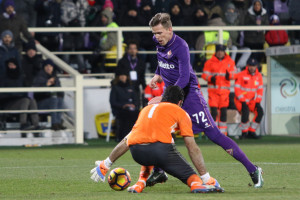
{"x":17,"y":15}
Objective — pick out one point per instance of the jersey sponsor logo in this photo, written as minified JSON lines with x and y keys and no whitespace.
{"x":165,"y":65}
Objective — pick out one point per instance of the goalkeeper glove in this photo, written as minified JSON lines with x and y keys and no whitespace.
{"x":99,"y":172}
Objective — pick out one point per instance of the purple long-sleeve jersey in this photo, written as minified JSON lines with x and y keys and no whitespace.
{"x":174,"y":63}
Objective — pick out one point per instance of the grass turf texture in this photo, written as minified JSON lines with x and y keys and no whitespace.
{"x":62,"y":172}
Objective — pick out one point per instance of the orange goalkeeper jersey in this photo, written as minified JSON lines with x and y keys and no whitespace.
{"x":157,"y":122}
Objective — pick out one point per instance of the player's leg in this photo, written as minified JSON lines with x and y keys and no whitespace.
{"x":143,"y":154}
{"x":202,"y":120}
{"x":234,"y":150}
{"x":139,"y":186}
{"x":175,"y":165}
{"x":157,"y":176}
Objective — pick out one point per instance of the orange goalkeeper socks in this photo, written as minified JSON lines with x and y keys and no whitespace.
{"x":145,"y":172}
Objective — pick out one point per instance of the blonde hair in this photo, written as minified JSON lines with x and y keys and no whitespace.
{"x":161,"y":18}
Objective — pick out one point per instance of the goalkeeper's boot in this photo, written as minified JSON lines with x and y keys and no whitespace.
{"x":102,"y":169}
{"x":138,"y":187}
{"x":156,"y":177}
{"x":257,"y":178}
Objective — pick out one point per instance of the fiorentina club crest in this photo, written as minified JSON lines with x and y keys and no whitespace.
{"x":229,"y":151}
{"x":169,"y":54}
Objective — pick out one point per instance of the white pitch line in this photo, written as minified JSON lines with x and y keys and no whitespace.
{"x":77,"y":166}
{"x":263,"y":163}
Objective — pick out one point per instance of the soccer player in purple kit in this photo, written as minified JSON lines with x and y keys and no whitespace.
{"x":174,"y":68}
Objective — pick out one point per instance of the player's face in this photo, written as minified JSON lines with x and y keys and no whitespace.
{"x":252,"y":69}
{"x":162,"y":35}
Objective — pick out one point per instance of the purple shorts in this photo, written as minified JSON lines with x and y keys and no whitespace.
{"x":195,"y":105}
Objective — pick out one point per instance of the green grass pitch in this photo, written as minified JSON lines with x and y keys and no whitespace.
{"x":62,"y":172}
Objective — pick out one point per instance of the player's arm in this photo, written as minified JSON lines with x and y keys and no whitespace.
{"x":183,"y":57}
{"x":195,"y":154}
{"x":102,"y":166}
{"x":156,"y":78}
{"x":185,"y":126}
{"x":155,"y":100}
{"x":119,"y":150}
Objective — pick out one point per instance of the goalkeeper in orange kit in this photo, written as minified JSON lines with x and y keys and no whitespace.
{"x":151,"y":143}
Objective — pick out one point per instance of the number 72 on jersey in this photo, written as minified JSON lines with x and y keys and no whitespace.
{"x":200,"y":115}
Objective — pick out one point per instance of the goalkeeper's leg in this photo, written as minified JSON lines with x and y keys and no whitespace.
{"x":157,"y":176}
{"x":141,"y":183}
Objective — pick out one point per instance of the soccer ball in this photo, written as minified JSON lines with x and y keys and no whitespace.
{"x":119,"y":179}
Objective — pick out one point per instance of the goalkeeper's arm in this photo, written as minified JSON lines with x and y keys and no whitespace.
{"x":119,"y":150}
{"x":102,"y":166}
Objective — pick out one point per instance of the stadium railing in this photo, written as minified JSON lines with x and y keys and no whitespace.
{"x":120,"y":30}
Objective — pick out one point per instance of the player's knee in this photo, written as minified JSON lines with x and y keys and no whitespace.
{"x":214,"y":134}
{"x":223,"y":114}
{"x":214,"y":112}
